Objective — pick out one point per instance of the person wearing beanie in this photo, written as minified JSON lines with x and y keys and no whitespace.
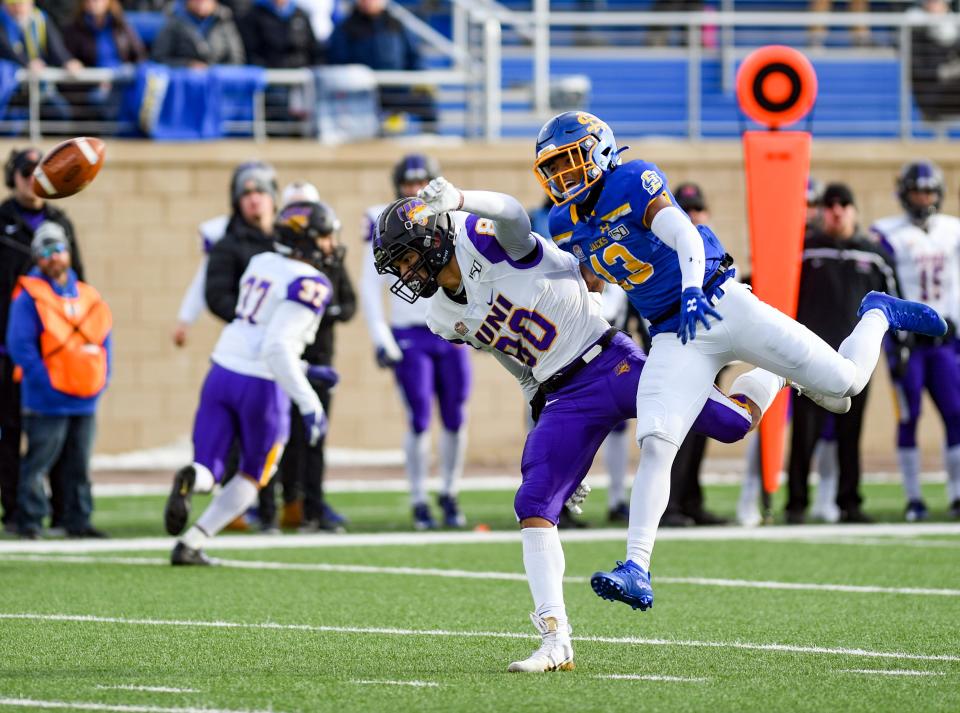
{"x":59,"y":337}
{"x":20,"y":215}
{"x":253,"y":198}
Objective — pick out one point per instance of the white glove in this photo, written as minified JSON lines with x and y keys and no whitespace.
{"x":576,"y":500}
{"x":441,"y":196}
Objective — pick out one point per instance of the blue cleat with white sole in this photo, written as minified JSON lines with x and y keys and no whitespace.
{"x":906,"y":315}
{"x":628,"y":583}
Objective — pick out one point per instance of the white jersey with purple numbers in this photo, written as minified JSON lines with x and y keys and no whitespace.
{"x":927,"y":261}
{"x":538,"y":311}
{"x":281,"y":301}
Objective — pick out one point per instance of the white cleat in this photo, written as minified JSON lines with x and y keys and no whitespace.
{"x":554,"y":654}
{"x":833,"y":404}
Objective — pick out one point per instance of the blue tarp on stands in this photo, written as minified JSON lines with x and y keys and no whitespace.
{"x":172,"y":103}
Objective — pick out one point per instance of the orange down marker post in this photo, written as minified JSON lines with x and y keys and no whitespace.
{"x":776,"y":86}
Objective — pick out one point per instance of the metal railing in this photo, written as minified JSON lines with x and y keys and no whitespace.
{"x":485,"y":33}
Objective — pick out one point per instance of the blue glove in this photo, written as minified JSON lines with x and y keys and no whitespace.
{"x":385,"y":359}
{"x":694,"y":308}
{"x":326,"y":375}
{"x":315,"y":426}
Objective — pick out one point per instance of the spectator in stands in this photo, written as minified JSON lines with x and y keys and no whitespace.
{"x":99,"y":35}
{"x":303,"y":466}
{"x":659,"y":36}
{"x":59,"y":335}
{"x":840,"y":266}
{"x":860,"y":34}
{"x":935,"y":62}
{"x":199,"y":33}
{"x":20,"y":215}
{"x":277,"y":34}
{"x":371,"y":36}
{"x":31,"y":40}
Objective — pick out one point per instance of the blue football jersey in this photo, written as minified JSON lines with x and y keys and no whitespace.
{"x":619,"y":248}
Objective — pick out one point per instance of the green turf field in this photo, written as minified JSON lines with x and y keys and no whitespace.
{"x":836,"y":622}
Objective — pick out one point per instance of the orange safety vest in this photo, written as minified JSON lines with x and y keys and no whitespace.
{"x":73,"y":336}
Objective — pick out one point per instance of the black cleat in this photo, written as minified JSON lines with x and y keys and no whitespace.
{"x":87,"y":533}
{"x":177,"y":511}
{"x":183,"y":555}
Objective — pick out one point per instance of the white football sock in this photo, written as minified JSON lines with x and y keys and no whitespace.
{"x":862,"y":348}
{"x":952,"y":458}
{"x":544,"y":563}
{"x":231,"y":502}
{"x":910,"y":472}
{"x":417,"y":448}
{"x":748,"y":509}
{"x":825,"y":460}
{"x":203,"y":481}
{"x":759,"y":386}
{"x":651,"y":491}
{"x":453,"y":444}
{"x":615,"y":455}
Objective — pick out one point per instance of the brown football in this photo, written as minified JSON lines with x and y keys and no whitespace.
{"x":68,"y":167}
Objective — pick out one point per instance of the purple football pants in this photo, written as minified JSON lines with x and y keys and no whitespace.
{"x":232,"y":405}
{"x":936,"y":369}
{"x":577,"y":418}
{"x":431,"y":366}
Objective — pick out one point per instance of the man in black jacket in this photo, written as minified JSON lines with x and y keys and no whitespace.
{"x":20,"y":215}
{"x":840,"y":266}
{"x":253,"y":197}
{"x":303,"y":466}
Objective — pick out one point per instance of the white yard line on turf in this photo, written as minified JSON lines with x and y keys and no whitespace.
{"x":469,"y":574}
{"x":650,"y":677}
{"x":415,"y":684}
{"x":385,"y":631}
{"x":888,"y":672}
{"x":94,"y":706}
{"x":152,"y":689}
{"x":694,"y":534}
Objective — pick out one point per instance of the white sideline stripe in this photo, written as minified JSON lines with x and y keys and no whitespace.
{"x":472,"y":483}
{"x":649,"y":677}
{"x":504,"y":576}
{"x":775,"y":533}
{"x":152,"y":689}
{"x":628,"y":640}
{"x":93,"y":706}
{"x":886,"y":542}
{"x":416,"y":684}
{"x":893,"y":672}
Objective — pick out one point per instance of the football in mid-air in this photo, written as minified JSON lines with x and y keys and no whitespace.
{"x":68,"y":167}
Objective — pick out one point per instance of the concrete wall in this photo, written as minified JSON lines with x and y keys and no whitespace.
{"x":137,"y":225}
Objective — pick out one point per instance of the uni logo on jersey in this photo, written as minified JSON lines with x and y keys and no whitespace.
{"x":622,"y":368}
{"x":652,"y":183}
{"x":619,"y":232}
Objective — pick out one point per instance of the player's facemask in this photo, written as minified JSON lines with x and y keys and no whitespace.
{"x":413,"y":247}
{"x":567,"y":172}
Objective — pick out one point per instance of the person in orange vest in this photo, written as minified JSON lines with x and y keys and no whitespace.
{"x":58,"y":335}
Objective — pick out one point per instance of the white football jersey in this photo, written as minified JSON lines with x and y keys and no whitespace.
{"x":927,"y":261}
{"x":269,"y":282}
{"x":539,"y":312}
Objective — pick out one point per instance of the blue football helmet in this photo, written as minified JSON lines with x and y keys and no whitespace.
{"x":574,"y":150}
{"x":923,"y":176}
